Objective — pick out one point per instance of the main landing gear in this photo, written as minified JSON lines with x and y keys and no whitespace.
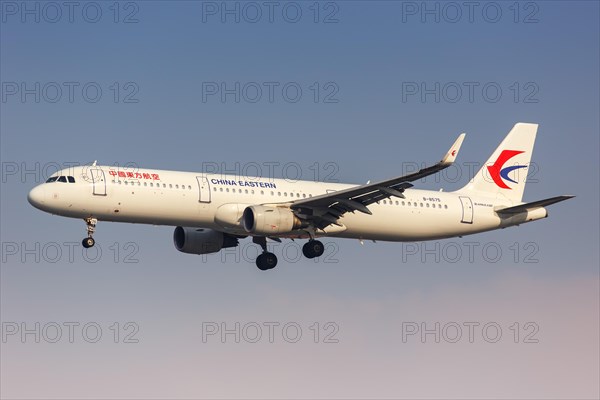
{"x":313,"y":248}
{"x":91,"y":228}
{"x":266,"y":260}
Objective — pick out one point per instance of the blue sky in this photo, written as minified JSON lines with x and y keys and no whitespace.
{"x":355,"y":119}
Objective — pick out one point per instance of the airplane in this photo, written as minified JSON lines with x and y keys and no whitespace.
{"x":214,"y":211}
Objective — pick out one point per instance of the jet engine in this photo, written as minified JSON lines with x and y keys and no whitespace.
{"x":263,"y":220}
{"x":202,"y":240}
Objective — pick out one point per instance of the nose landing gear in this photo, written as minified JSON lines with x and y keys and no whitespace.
{"x":91,"y":228}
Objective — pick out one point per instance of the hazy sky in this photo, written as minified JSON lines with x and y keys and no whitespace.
{"x":341,"y":90}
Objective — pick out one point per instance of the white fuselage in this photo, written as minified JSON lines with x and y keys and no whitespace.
{"x":217,"y":201}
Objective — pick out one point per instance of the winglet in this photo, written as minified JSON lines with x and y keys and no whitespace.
{"x":453,"y":152}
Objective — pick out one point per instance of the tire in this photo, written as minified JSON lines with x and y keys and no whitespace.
{"x":88,"y":242}
{"x":313,"y":248}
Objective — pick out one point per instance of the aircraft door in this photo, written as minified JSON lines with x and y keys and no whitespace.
{"x":98,"y":181}
{"x":204,"y":189}
{"x":467,"y":210}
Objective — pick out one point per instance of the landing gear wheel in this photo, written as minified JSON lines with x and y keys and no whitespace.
{"x":266,"y":261}
{"x":313,"y":248}
{"x":88,"y":242}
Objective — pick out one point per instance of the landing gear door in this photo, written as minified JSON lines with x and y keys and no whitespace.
{"x":204,"y":189}
{"x":467,"y":210}
{"x":98,"y":181}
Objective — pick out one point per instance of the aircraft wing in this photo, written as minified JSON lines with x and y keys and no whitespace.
{"x":326,"y":209}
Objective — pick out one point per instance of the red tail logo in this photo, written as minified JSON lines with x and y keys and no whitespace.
{"x":498,"y":173}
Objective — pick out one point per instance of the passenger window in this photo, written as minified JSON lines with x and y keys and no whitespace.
{"x":176,"y":186}
{"x":403,"y":203}
{"x":62,"y":179}
{"x":446,"y":206}
{"x":427,"y":205}
{"x":71,"y":179}
{"x":145,"y":183}
{"x":52,"y":179}
{"x":170,"y":186}
{"x":409,"y":203}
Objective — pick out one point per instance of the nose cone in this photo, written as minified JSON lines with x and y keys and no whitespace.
{"x":37,"y":196}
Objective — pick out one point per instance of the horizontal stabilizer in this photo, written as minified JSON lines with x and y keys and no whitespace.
{"x":530,"y":206}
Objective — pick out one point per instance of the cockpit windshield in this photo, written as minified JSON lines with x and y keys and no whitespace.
{"x":63,"y":179}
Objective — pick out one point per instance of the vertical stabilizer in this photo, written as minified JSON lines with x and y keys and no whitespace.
{"x":504,"y":174}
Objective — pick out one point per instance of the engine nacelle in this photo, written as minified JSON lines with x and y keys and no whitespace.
{"x":201,"y":240}
{"x":270,"y":220}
